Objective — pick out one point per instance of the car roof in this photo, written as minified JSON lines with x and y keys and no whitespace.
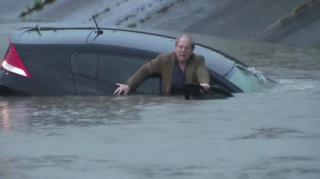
{"x":117,"y":37}
{"x":87,"y":35}
{"x":50,"y":35}
{"x":133,"y":39}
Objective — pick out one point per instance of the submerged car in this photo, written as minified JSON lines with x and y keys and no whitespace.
{"x":90,"y":60}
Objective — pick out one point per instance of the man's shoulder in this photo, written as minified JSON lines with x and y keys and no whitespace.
{"x":165,"y":57}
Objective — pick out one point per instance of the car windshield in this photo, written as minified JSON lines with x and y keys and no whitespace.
{"x":214,"y":60}
{"x":248,"y":79}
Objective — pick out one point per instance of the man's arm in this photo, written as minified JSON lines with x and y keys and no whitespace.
{"x":203,"y":74}
{"x":139,"y":77}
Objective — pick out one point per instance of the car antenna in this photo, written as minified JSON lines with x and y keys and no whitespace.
{"x":98,"y":31}
{"x":38,"y":29}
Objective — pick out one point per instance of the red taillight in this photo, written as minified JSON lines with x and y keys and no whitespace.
{"x":13,"y":63}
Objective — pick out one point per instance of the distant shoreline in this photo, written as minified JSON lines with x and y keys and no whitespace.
{"x":233,"y":19}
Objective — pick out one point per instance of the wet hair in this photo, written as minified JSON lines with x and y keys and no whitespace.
{"x":193,"y":44}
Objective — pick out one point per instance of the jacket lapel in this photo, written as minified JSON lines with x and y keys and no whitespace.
{"x":168,"y":72}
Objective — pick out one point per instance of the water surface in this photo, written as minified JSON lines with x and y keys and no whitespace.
{"x":269,"y":134}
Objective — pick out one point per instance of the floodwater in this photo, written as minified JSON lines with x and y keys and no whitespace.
{"x":271,"y":134}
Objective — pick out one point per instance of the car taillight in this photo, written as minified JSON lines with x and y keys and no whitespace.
{"x":13,"y":63}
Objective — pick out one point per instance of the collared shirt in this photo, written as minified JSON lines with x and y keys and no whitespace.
{"x":178,"y":80}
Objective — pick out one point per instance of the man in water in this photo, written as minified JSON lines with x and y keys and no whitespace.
{"x":176,"y":69}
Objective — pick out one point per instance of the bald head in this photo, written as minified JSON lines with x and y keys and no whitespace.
{"x":186,"y":37}
{"x":184,"y":48}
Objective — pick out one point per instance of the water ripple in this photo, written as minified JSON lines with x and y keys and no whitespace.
{"x":275,"y":133}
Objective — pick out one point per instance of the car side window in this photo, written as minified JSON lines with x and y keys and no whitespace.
{"x":118,"y":68}
{"x":85,"y":65}
{"x":99,"y":73}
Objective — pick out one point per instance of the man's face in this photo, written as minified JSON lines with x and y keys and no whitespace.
{"x":183,"y":49}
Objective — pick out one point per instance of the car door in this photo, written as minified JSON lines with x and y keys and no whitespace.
{"x":97,"y":74}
